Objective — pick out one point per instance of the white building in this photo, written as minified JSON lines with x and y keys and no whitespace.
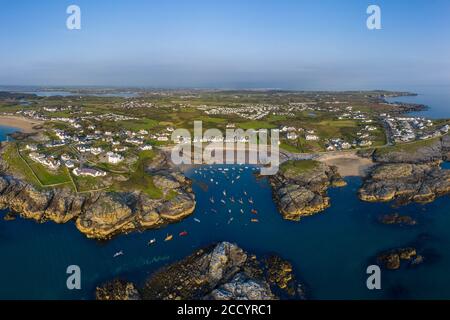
{"x":311,"y":137}
{"x":88,"y":172}
{"x":146,"y":147}
{"x":114,"y":157}
{"x":292,"y":136}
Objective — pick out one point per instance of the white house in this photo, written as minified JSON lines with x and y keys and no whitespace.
{"x":146,"y":147}
{"x":292,"y":136}
{"x":311,"y":137}
{"x":114,"y":157}
{"x":88,"y":172}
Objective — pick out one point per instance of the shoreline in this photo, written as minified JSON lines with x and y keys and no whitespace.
{"x":348,"y":165}
{"x":22,"y":124}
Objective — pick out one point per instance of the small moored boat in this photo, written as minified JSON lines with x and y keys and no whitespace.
{"x":168,"y":237}
{"x":117,"y":254}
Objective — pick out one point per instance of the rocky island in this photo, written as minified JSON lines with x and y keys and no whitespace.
{"x":101,"y":214}
{"x":221,"y":271}
{"x":300,"y":187}
{"x":394,"y":259}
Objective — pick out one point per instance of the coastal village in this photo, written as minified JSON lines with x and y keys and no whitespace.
{"x":77,"y":139}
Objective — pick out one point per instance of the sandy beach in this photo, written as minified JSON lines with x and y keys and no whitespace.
{"x":23,"y":124}
{"x":348,"y":164}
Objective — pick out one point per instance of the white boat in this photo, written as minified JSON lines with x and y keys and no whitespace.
{"x":152,"y":241}
{"x":119,"y":253}
{"x":224,"y":193}
{"x":196,"y":220}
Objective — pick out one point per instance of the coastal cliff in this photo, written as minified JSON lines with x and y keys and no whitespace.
{"x":409,"y":173}
{"x":407,"y":182}
{"x":221,"y":271}
{"x":102,"y":214}
{"x":300,"y":187}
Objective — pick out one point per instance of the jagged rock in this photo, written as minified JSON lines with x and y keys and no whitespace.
{"x":104,"y":217}
{"x":222,"y":271}
{"x":64,"y":206}
{"x":165,"y":183}
{"x":446,"y":147}
{"x":117,"y":290}
{"x":241,"y":287}
{"x":424,"y":154}
{"x":197,"y":275}
{"x":392,"y":259}
{"x":410,"y":182}
{"x":395,"y":218}
{"x":279,"y":274}
{"x":300,"y":193}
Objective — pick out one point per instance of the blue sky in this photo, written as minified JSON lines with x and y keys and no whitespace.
{"x":310,"y":44}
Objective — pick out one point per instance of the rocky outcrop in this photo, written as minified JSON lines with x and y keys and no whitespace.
{"x":396,"y":219}
{"x":99,"y":215}
{"x":418,"y":152}
{"x":302,"y":192}
{"x":445,"y":145}
{"x":406,"y":182}
{"x":117,"y":290}
{"x":221,"y":272}
{"x":392,"y":259}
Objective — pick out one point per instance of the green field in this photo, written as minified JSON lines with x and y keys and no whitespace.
{"x":293,"y":167}
{"x":409,"y":147}
{"x":139,"y":179}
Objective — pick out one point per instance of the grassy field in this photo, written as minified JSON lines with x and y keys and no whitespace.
{"x":298,"y":166}
{"x":33,"y":172}
{"x":47,"y":177}
{"x":139,"y":179}
{"x":409,"y":147}
{"x":136,"y":125}
{"x":17,"y":165}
